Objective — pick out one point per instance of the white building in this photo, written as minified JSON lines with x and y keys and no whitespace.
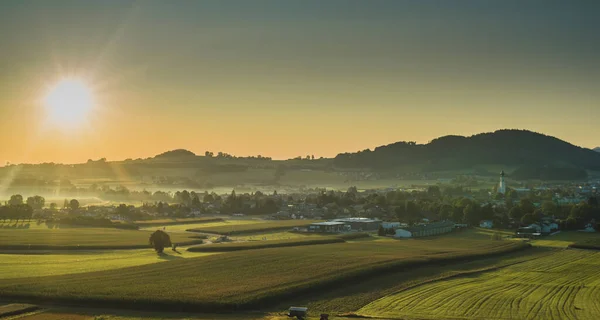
{"x":488,"y":224}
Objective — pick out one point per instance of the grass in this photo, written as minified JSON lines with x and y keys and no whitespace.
{"x":276,"y":235}
{"x":565,"y":239}
{"x":250,"y":245}
{"x":168,"y":222}
{"x":32,"y":236}
{"x":16,"y":309}
{"x":351,"y":296}
{"x":563,"y":285}
{"x":592,"y":241}
{"x":247,"y":279}
{"x":253,"y":228}
{"x":184,"y":227}
{"x":40,"y":265}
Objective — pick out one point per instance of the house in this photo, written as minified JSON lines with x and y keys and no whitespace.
{"x":488,"y":224}
{"x":424,"y":230}
{"x":589,"y":228}
{"x":329,"y":226}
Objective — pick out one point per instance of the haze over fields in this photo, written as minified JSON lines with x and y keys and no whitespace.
{"x":307,"y":159}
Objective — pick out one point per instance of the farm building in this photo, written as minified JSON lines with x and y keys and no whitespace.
{"x":390,"y":225}
{"x":488,"y":224}
{"x":430,"y":229}
{"x":361,"y":224}
{"x":329,"y":226}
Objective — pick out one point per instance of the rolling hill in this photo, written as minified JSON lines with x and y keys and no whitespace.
{"x":506,"y":147}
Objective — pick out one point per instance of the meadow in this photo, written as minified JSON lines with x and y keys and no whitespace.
{"x":14,"y":265}
{"x":232,"y":229}
{"x":168,"y":222}
{"x":247,"y":279}
{"x":193,"y":226}
{"x":250,"y":245}
{"x":563,"y":285}
{"x":43,"y":236}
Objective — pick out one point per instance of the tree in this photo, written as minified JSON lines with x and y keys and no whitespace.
{"x":434,"y":191}
{"x":159,"y":240}
{"x":36,"y":202}
{"x":527,"y":219}
{"x":549,"y":208}
{"x":53,"y":206}
{"x":527,"y":206}
{"x":593,"y":202}
{"x":516,"y":213}
{"x":470,"y":214}
{"x":381,"y":231}
{"x":123,"y":210}
{"x":15,"y":200}
{"x":74,"y":205}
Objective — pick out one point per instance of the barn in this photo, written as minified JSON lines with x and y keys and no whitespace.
{"x":425,"y":230}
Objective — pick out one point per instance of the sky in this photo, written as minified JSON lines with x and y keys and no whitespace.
{"x":297,"y":77}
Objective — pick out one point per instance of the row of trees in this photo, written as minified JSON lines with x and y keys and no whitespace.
{"x":16,"y":212}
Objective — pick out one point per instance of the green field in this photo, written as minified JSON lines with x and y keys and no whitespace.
{"x":168,"y":222}
{"x":184,"y":227}
{"x":39,"y":265}
{"x":247,"y":278}
{"x":250,"y":245}
{"x":232,"y":229}
{"x":36,"y":236}
{"x":564,"y":285}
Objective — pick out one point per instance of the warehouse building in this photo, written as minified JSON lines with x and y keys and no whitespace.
{"x":361,"y":224}
{"x":425,"y":230}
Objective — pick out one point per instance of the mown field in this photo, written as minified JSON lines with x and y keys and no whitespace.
{"x":563,"y":285}
{"x":168,"y":222}
{"x":33,"y":236}
{"x":253,"y":227}
{"x":250,"y":245}
{"x":248,"y":279}
{"x":184,"y":227}
{"x":47,"y":264}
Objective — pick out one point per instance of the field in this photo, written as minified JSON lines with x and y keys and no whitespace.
{"x":168,"y":222}
{"x":42,"y":236}
{"x":563,"y":285}
{"x":185,"y":227}
{"x":250,"y":245}
{"x":233,"y":229}
{"x":48,"y":264}
{"x":213,"y":283}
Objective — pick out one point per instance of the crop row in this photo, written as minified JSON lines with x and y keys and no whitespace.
{"x":248,"y":279}
{"x":563,"y":285}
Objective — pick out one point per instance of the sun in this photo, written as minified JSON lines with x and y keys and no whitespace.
{"x":69,"y":102}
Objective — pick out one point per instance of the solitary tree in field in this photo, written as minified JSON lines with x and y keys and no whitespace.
{"x":74,"y":205}
{"x":159,"y":240}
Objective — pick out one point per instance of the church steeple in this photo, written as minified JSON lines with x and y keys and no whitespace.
{"x":502,"y":186}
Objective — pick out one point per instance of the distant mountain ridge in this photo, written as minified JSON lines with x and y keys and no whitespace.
{"x":507,"y":147}
{"x":597,"y":149}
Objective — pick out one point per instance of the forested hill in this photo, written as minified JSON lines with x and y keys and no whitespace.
{"x":506,"y":147}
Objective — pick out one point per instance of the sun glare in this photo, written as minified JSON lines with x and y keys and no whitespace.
{"x":69,"y":102}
